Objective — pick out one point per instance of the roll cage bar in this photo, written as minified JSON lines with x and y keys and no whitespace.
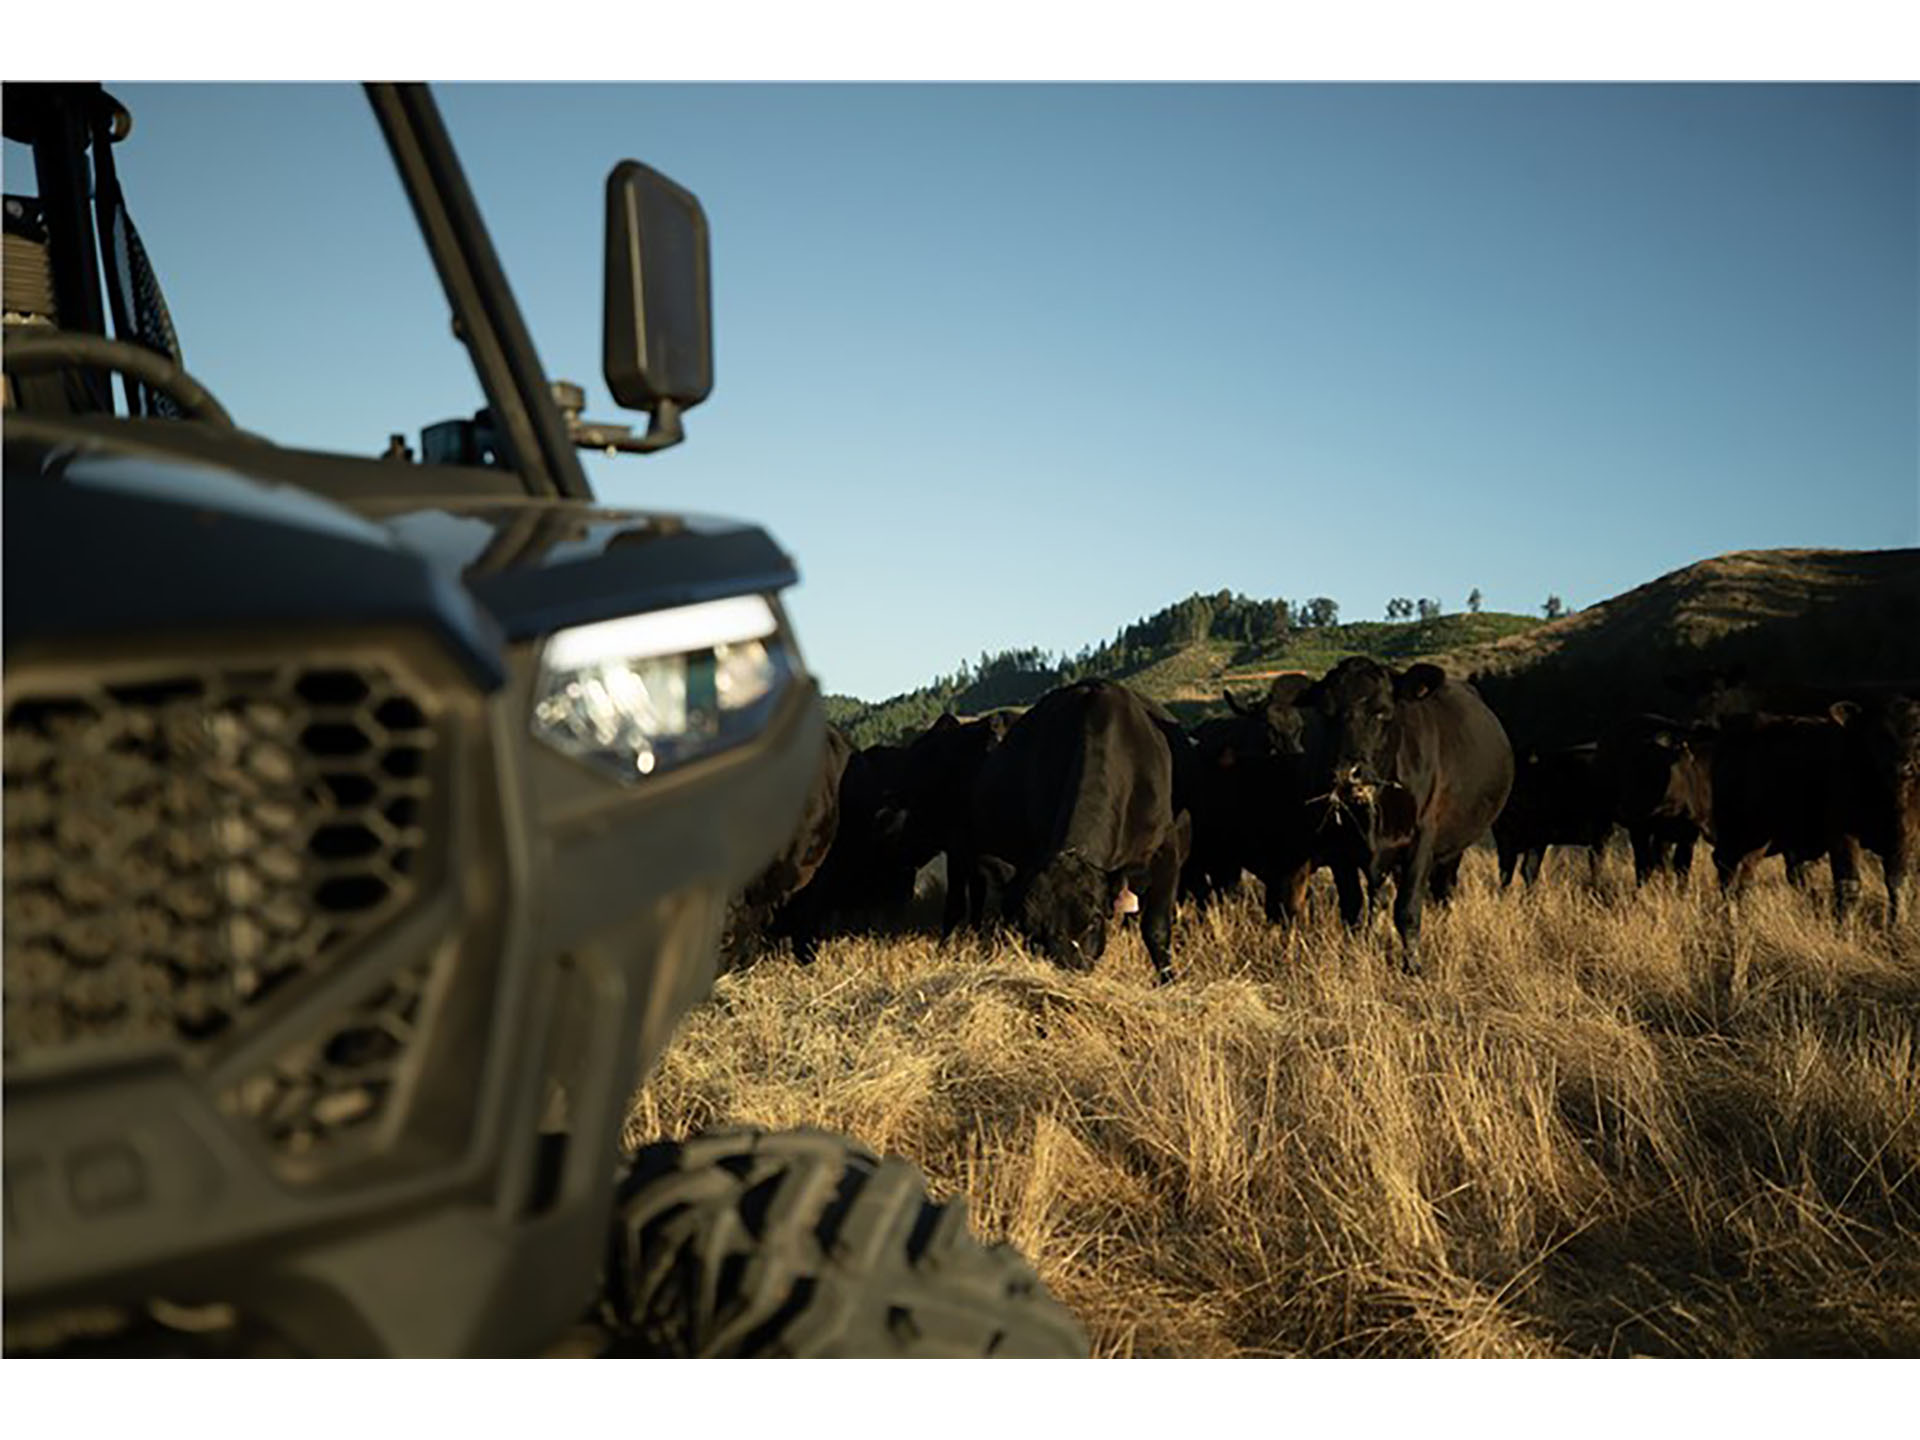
{"x":61,"y":122}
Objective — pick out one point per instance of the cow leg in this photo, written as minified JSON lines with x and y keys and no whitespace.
{"x":1410,"y":893}
{"x":1683,"y":857}
{"x":802,"y":922}
{"x":1509,"y":857}
{"x":1446,"y":876}
{"x":1293,"y":886}
{"x":1735,"y":870}
{"x":965,"y":893}
{"x":1530,"y":865}
{"x":1286,"y":886}
{"x":1596,"y":861}
{"x":1346,"y":880}
{"x":1646,"y":854}
{"x":1278,"y":909}
{"x":1156,"y":905}
{"x":1844,"y":861}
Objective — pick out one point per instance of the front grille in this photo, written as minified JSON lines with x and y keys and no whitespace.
{"x":338,"y":1081}
{"x":179,"y":849}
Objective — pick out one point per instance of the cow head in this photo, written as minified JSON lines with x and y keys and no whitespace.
{"x":1661,"y":769}
{"x":1358,"y":708}
{"x":1064,"y":909}
{"x":1273,"y":727}
{"x":1885,"y":738}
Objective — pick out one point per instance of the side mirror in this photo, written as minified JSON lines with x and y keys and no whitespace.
{"x":657,"y":337}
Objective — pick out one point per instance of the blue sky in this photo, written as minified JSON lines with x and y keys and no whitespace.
{"x":1013,"y":365}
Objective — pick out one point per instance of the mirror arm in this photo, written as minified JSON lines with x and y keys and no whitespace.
{"x":663,"y":428}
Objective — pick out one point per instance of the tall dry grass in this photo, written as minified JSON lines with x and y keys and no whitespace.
{"x":1602,"y":1123}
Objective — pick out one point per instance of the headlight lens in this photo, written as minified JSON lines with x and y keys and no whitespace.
{"x":644,"y":693}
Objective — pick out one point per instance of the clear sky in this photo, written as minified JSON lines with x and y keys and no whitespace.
{"x":1014,"y":365}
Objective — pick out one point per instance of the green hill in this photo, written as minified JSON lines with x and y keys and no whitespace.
{"x":1189,"y":676}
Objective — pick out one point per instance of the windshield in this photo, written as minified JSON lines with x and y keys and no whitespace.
{"x":298,"y":286}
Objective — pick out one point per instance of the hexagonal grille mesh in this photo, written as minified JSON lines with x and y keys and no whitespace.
{"x":178,"y":850}
{"x":339,"y":1080}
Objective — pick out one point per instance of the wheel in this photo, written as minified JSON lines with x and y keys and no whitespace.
{"x":745,"y":1242}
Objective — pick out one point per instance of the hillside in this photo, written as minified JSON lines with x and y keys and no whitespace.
{"x":1812,"y":620}
{"x":1189,"y":678}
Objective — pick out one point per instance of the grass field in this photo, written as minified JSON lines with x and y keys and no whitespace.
{"x":1602,"y":1124}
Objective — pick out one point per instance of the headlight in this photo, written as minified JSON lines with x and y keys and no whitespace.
{"x":645,"y":693}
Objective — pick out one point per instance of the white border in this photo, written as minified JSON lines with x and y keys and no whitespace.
{"x":981,"y":40}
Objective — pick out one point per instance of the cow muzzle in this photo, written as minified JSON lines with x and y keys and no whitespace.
{"x":1352,"y":787}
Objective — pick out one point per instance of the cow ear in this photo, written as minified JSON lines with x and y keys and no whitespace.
{"x":1418,"y":681}
{"x":947,"y":721}
{"x":1844,"y":712}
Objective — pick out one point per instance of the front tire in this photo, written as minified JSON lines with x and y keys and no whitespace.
{"x":744,"y":1242}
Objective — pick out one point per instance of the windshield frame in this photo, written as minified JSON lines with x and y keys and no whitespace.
{"x":536,"y":454}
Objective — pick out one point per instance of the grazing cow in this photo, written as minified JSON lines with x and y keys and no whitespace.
{"x":1659,"y":771}
{"x":1407,"y":769}
{"x":1073,"y":809}
{"x":1808,"y":787}
{"x":1559,"y":798}
{"x":757,"y":909}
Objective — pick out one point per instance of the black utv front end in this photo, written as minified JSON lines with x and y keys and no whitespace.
{"x":330,"y":965}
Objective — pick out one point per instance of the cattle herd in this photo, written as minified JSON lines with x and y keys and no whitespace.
{"x":1096,"y":802}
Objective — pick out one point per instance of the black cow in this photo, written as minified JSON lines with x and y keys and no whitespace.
{"x":1217,"y":857}
{"x":1882,"y":784}
{"x":866,"y":881}
{"x":1778,"y":790}
{"x":1811,"y":787}
{"x":1659,"y":771}
{"x":1560,"y":797}
{"x":928,"y":806}
{"x":1248,"y":799}
{"x":757,"y":911}
{"x":1407,"y":770}
{"x":1071,"y":810}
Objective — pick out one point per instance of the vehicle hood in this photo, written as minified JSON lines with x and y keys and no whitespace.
{"x":98,"y":544}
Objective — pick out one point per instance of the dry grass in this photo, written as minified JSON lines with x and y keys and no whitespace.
{"x":1602,"y":1123}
